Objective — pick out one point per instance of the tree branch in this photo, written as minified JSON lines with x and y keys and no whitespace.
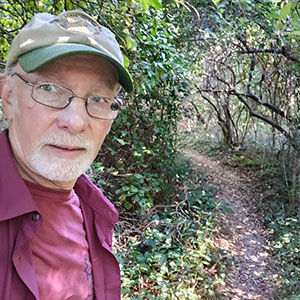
{"x":270,"y":122}
{"x":271,"y":106}
{"x":286,"y":51}
{"x":211,"y":103}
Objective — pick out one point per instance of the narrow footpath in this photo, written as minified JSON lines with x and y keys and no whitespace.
{"x":242,"y":235}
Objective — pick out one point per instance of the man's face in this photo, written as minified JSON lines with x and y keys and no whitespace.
{"x":59,"y":145}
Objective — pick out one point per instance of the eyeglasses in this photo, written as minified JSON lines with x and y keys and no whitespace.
{"x":59,"y":97}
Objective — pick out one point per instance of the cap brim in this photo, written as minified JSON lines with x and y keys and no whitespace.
{"x":37,"y":58}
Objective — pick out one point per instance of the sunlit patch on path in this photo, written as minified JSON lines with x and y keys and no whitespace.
{"x":242,"y":235}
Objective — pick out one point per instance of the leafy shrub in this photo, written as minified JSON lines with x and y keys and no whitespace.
{"x":286,"y":247}
{"x":169,"y":252}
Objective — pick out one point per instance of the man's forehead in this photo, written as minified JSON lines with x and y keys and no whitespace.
{"x":105,"y":75}
{"x":54,"y":77}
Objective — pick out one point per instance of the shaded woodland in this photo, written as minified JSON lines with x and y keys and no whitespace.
{"x":218,"y":76}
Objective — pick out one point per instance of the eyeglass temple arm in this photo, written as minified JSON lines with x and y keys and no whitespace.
{"x":24,"y":80}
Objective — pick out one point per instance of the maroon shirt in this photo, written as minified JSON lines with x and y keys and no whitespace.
{"x":20,"y":220}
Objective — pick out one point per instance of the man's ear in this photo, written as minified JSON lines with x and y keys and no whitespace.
{"x":6,"y":96}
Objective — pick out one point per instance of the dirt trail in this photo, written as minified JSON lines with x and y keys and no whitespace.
{"x":242,"y":236}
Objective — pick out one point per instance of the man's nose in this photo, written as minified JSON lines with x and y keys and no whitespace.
{"x":74,"y":117}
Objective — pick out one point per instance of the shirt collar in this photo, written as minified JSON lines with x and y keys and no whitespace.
{"x":15,"y":198}
{"x":94,"y":197}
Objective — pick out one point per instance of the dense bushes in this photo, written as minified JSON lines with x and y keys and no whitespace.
{"x":169,"y":253}
{"x":286,"y":248}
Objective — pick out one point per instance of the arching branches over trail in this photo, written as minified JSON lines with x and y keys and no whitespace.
{"x":248,"y":77}
{"x":249,"y":71}
{"x":259,"y":82}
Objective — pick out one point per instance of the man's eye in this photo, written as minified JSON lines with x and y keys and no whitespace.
{"x":47,"y":87}
{"x":97,"y":99}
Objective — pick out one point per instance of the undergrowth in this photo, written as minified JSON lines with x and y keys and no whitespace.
{"x":172,"y":255}
{"x":168,"y":251}
{"x":265,"y":166}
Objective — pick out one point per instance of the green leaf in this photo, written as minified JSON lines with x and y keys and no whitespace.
{"x":128,"y":20}
{"x":286,"y":9}
{"x":127,"y":205}
{"x":128,"y":43}
{"x":126,"y":61}
{"x":216,"y":2}
{"x":120,"y":141}
{"x":156,"y":4}
{"x":295,"y":32}
{"x":145,"y":4}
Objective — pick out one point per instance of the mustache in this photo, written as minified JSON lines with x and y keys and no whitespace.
{"x":66,"y":140}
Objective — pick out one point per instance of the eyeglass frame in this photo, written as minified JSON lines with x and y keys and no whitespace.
{"x":70,"y":99}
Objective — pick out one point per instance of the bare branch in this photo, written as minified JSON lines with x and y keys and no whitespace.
{"x":270,"y":122}
{"x":271,"y":106}
{"x":286,"y":51}
{"x":212,"y":104}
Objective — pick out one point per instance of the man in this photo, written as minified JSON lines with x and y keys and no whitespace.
{"x":58,"y":93}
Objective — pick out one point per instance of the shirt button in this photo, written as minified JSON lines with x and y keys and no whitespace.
{"x":35,"y":216}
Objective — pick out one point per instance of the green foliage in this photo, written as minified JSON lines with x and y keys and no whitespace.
{"x":147,"y":142}
{"x":249,"y":68}
{"x":247,"y":162}
{"x":169,"y":252}
{"x":286,"y":247}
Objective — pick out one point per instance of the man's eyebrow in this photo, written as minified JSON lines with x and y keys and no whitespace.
{"x":52,"y":76}
{"x":104,"y":85}
{"x":47,"y":77}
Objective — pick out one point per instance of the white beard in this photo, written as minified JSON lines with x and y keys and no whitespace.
{"x":55,"y":168}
